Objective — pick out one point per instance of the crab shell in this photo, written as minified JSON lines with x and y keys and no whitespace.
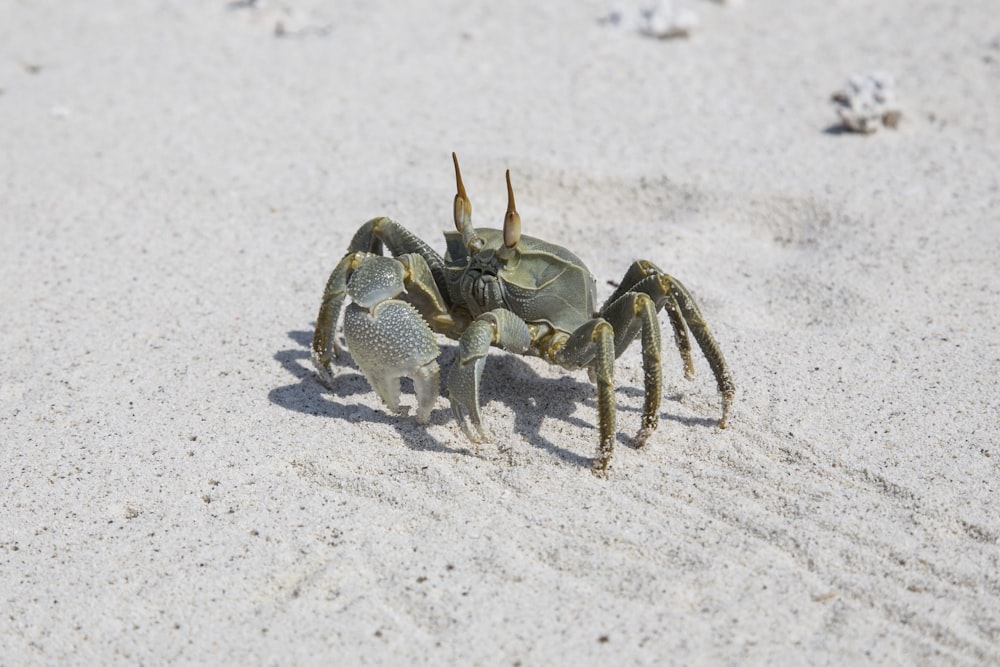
{"x":540,"y":283}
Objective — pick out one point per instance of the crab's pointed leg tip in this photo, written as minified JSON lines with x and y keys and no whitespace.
{"x":727,"y":404}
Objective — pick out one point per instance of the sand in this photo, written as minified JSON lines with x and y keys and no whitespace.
{"x":177,"y":181}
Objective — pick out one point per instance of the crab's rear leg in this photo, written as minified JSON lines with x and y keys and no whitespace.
{"x":592,"y":346}
{"x":668,"y":292}
{"x":706,"y":341}
{"x":497,"y":327}
{"x":638,"y":274}
{"x":629,"y":314}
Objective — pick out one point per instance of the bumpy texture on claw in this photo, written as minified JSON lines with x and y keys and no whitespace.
{"x":423,"y":280}
{"x":391,"y":341}
{"x":378,"y":279}
{"x":387,"y":337}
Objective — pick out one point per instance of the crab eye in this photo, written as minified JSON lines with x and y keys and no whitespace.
{"x":511,"y":229}
{"x":512,"y":221}
{"x":460,"y":212}
{"x":463,"y":207}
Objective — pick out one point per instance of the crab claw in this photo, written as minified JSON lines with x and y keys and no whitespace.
{"x":388,"y":338}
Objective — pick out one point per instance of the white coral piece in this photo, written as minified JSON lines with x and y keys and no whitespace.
{"x":661,"y":21}
{"x":867,"y":103}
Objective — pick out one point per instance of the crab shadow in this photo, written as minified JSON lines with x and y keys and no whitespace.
{"x":309,"y":396}
{"x":507,"y":379}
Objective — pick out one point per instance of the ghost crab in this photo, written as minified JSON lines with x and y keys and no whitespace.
{"x":499,"y":288}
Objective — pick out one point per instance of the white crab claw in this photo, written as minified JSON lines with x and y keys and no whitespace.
{"x":391,"y":341}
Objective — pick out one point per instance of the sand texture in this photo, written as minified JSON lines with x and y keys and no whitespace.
{"x":178,"y":179}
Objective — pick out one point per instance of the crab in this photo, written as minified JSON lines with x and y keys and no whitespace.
{"x":497,"y":287}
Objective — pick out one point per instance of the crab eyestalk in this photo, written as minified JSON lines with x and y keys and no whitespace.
{"x":463,"y":213}
{"x":511,"y":225}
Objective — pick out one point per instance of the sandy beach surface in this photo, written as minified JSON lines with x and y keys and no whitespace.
{"x":178,"y":179}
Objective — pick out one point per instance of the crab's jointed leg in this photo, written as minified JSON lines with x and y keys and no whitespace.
{"x":592,"y":346}
{"x":629,"y":314}
{"x":496,"y":327}
{"x":639,"y":272}
{"x":324,"y":342}
{"x":644,"y":277}
{"x":706,"y":341}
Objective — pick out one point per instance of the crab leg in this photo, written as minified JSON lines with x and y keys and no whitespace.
{"x":706,"y":341}
{"x":324,"y":343}
{"x":669,"y":293}
{"x":637,"y":279}
{"x":592,"y":346}
{"x":497,"y":327}
{"x":628,"y":314}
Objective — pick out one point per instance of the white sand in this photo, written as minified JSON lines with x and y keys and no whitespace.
{"x":176,"y":184}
